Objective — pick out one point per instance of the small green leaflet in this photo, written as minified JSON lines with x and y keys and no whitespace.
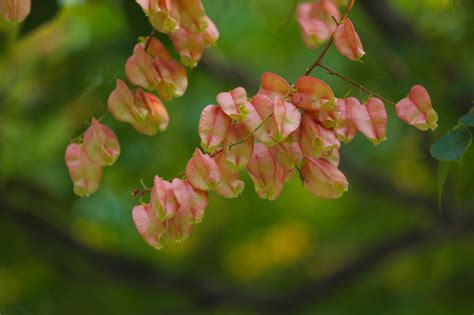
{"x":452,"y":146}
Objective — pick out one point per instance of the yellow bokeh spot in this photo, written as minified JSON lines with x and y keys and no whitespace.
{"x":281,"y":245}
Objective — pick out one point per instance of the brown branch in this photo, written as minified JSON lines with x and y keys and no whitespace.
{"x":211,"y":294}
{"x":330,"y":41}
{"x":354,"y":83}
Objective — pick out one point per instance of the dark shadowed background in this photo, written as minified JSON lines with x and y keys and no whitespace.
{"x":384,"y":248}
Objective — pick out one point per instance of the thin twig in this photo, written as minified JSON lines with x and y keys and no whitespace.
{"x":354,"y":83}
{"x":252,"y":133}
{"x":330,"y":41}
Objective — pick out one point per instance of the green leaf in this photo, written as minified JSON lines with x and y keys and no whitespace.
{"x":443,"y":171}
{"x":467,"y":120}
{"x":452,"y":146}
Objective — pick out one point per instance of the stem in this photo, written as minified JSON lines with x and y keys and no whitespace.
{"x":330,"y":41}
{"x":252,"y":133}
{"x":150,"y":37}
{"x":354,"y":83}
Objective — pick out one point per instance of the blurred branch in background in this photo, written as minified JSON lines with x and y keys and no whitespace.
{"x":207,"y":293}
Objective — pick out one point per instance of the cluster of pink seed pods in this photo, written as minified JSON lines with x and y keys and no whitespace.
{"x":283,"y":130}
{"x":151,"y":69}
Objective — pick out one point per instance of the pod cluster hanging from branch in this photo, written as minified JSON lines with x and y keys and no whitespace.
{"x":153,"y":76}
{"x":283,"y":131}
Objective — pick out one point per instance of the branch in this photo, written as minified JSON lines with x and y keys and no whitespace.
{"x":331,"y":39}
{"x":210,"y":294}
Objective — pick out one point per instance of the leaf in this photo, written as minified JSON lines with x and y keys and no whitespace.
{"x":443,"y":171}
{"x":467,"y":120}
{"x":452,"y":146}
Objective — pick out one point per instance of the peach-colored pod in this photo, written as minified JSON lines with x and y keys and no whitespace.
{"x":85,"y":175}
{"x":158,"y":232}
{"x":148,"y":225}
{"x":144,"y":111}
{"x":162,"y":199}
{"x":156,"y":118}
{"x":140,"y":69}
{"x":15,"y":11}
{"x":316,"y":21}
{"x":210,"y":34}
{"x":233,"y":103}
{"x":259,"y":119}
{"x":347,"y":41}
{"x":371,"y":119}
{"x":189,"y":45}
{"x":417,"y":110}
{"x":101,"y":144}
{"x":286,"y":117}
{"x":154,"y":69}
{"x":329,"y":118}
{"x":193,"y":14}
{"x":192,"y":201}
{"x":323,"y":178}
{"x":315,"y":139}
{"x":266,"y":173}
{"x":230,"y":185}
{"x":313,"y":94}
{"x":213,"y":127}
{"x":238,"y":156}
{"x":202,"y":172}
{"x":164,"y":15}
{"x":273,"y":85}
{"x":346,"y":130}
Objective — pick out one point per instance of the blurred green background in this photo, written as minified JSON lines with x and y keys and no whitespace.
{"x":384,"y":248}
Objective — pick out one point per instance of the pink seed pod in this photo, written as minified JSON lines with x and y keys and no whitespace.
{"x":313,"y":94}
{"x":156,"y":116}
{"x":288,"y":155}
{"x":101,"y":144}
{"x":140,"y":69}
{"x":156,"y":69}
{"x":266,"y":173}
{"x":162,"y":199}
{"x":316,"y":21}
{"x":273,"y":85}
{"x":144,"y":111}
{"x":158,"y":232}
{"x":328,"y":118}
{"x":323,"y":179}
{"x":234,"y":103}
{"x":84,"y":174}
{"x":210,"y":34}
{"x":230,"y":185}
{"x":347,"y":41}
{"x":148,"y":225}
{"x":417,"y":110}
{"x":238,"y":156}
{"x":371,"y":119}
{"x":286,"y":117}
{"x":315,"y":139}
{"x":192,"y":201}
{"x":193,"y":15}
{"x":213,"y":127}
{"x":259,"y":120}
{"x":15,"y":11}
{"x":189,"y":45}
{"x":346,"y":130}
{"x":164,"y":15}
{"x":202,"y":172}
